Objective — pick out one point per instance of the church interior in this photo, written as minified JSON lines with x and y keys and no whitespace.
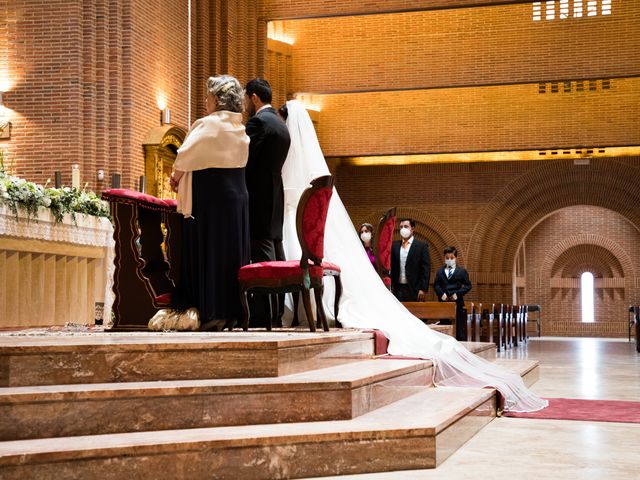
{"x":507,"y":129}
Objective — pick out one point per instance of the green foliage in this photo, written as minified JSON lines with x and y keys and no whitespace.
{"x":18,"y":194}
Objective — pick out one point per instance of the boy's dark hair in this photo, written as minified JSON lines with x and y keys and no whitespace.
{"x":284,"y":111}
{"x":261,"y":88}
{"x":411,"y":221}
{"x":451,"y":250}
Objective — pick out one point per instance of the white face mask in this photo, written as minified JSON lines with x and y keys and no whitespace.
{"x":365,"y":236}
{"x":451,"y":262}
{"x":405,"y":232}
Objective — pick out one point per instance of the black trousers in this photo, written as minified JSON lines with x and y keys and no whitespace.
{"x":265,"y":250}
{"x":403,"y":292}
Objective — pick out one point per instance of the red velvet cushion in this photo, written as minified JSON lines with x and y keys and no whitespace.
{"x":133,"y":195}
{"x":164,"y":299}
{"x":385,"y":239}
{"x":171,"y":202}
{"x":314,"y":219}
{"x":330,"y":266}
{"x":276,"y":270}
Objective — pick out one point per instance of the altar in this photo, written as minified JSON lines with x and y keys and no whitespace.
{"x":53,"y":273}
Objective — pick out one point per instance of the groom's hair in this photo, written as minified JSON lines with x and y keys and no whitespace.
{"x":261,"y":88}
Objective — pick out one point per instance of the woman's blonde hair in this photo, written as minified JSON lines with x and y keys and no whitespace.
{"x":228,"y":91}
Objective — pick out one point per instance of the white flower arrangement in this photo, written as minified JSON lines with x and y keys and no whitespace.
{"x":19,"y":194}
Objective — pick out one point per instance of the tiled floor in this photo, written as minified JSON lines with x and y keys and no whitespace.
{"x":511,"y":448}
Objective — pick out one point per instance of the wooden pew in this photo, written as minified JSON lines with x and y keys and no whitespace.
{"x":473,"y":314}
{"x":637,"y":322}
{"x":433,"y":311}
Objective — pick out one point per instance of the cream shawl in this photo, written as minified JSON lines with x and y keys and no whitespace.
{"x":215,"y":141}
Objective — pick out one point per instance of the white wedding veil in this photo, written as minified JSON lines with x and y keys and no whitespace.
{"x":366,"y":302}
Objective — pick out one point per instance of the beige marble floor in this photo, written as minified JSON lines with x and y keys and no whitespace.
{"x":525,"y":449}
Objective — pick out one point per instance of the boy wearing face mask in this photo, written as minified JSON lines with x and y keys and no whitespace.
{"x":451,"y":284}
{"x":410,"y":265}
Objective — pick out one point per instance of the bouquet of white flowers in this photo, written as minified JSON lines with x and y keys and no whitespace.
{"x":19,"y":194}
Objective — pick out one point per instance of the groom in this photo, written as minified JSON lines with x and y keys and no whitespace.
{"x":268,"y":149}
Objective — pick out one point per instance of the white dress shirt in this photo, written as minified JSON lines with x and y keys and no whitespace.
{"x":447,"y":270}
{"x":268,"y":105}
{"x":404,"y":253}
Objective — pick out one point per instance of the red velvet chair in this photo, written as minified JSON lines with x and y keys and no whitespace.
{"x":296,"y":275}
{"x":382,"y":245}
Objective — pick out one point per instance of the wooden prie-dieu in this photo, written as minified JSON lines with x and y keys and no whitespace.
{"x":147,"y":233}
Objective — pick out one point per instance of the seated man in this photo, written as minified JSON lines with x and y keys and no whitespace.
{"x":451,"y":284}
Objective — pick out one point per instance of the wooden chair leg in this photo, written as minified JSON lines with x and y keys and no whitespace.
{"x":244,"y":299}
{"x":306,"y":300}
{"x":470,"y":316}
{"x":322,"y":318}
{"x":336,"y":301}
{"x":296,"y":303}
{"x":274,"y":308}
{"x":270,"y":319}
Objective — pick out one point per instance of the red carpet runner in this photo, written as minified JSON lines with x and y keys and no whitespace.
{"x":586,"y":410}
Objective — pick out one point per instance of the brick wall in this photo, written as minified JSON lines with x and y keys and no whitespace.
{"x":469,"y":46}
{"x":82,"y":79}
{"x":488,"y":210}
{"x":283,"y":9}
{"x":43,"y":76}
{"x":573,"y":241}
{"x":513,"y":117}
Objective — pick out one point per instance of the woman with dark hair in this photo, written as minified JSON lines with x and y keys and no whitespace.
{"x":366,"y":237}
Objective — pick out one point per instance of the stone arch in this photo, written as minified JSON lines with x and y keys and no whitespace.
{"x":552,"y":186}
{"x":572,"y":263}
{"x":608,"y":253}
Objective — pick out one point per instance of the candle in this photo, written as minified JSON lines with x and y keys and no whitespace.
{"x":115,"y":180}
{"x":75,"y":176}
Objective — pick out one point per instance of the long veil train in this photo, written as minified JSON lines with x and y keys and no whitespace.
{"x":366,"y":303}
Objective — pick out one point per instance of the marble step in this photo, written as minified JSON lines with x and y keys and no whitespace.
{"x":129,"y":357}
{"x":417,"y":432}
{"x":529,"y":370}
{"x":334,"y":393}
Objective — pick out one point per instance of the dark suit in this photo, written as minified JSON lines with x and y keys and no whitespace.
{"x":268,"y":151}
{"x":459,"y":284}
{"x":417,"y":269}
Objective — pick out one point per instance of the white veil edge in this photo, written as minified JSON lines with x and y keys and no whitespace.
{"x":366,"y":303}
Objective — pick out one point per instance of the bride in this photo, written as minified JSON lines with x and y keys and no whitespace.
{"x":365,"y":302}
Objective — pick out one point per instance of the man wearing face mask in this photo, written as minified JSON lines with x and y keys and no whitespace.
{"x":410,"y":265}
{"x":451,"y":284}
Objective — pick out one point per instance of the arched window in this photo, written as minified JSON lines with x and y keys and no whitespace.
{"x":586,"y":291}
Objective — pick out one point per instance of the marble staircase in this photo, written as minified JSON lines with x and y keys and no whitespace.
{"x":254,"y":405}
